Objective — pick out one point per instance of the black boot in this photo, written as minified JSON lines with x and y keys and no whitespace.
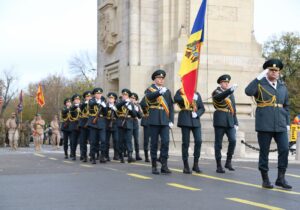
{"x":81,"y":158}
{"x":116,"y":156}
{"x":121,"y":158}
{"x":164,"y":167}
{"x":154,"y":167}
{"x":266,"y":182}
{"x":196,"y":167}
{"x":186,"y":169}
{"x":66,"y":155}
{"x":137,"y":156}
{"x":102,"y":158}
{"x":73,"y":156}
{"x":219,"y":167}
{"x":97,"y":155}
{"x":130,"y":158}
{"x":281,"y":182}
{"x":228,"y":164}
{"x":84,"y":159}
{"x":93,"y":160}
{"x":125,"y":153}
{"x":146,"y":156}
{"x":107,"y":157}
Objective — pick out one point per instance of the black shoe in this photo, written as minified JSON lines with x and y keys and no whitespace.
{"x":220,"y":169}
{"x":121,"y":158}
{"x":81,"y":158}
{"x":74,"y":158}
{"x":107,"y":159}
{"x":102,"y":159}
{"x":281,"y":182}
{"x":266,"y":182}
{"x":228,"y":165}
{"x":138,"y":157}
{"x":116,"y":156}
{"x":154,"y":168}
{"x":130,"y":158}
{"x":164,"y":167}
{"x":196,"y":167}
{"x":66,"y":157}
{"x":84,"y":159}
{"x":93,"y":161}
{"x":186,"y":167}
{"x":146,"y":156}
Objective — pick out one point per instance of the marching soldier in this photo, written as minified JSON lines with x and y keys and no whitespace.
{"x":161,"y":118}
{"x":13,"y":133}
{"x":55,"y":137}
{"x":65,"y":126}
{"x":272,"y":119}
{"x":126,"y":113}
{"x":38,"y":132}
{"x":111,"y":126}
{"x":224,"y":120}
{"x":74,"y":124}
{"x":97,"y":125}
{"x":83,"y":123}
{"x":189,"y":120}
{"x":144,"y":123}
{"x":134,"y":99}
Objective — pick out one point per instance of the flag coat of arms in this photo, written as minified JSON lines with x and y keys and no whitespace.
{"x":189,"y":65}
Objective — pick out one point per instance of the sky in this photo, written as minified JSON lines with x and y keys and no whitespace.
{"x":38,"y":37}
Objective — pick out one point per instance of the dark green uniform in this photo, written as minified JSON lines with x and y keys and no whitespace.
{"x":190,"y":122}
{"x":65,"y":126}
{"x":145,"y":125}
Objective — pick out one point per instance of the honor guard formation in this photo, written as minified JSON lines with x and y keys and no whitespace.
{"x":95,"y":119}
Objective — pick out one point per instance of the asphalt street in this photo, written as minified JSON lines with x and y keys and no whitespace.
{"x":46,"y":181}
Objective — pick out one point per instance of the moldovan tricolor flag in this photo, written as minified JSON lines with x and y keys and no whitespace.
{"x":190,"y":62}
{"x":40,"y":96}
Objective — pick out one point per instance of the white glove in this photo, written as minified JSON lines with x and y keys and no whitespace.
{"x":195,"y":98}
{"x":136,"y":108}
{"x":127,"y":100}
{"x":86,"y":102}
{"x":103,"y":104}
{"x":194,"y":115}
{"x":98,"y":102}
{"x":171,"y":124}
{"x":114,"y":108}
{"x":129,"y":107}
{"x":288,"y":127}
{"x":236,"y":127}
{"x":76,"y":105}
{"x":163,"y":90}
{"x":127,"y":103}
{"x":262,"y":74}
{"x":233,"y":87}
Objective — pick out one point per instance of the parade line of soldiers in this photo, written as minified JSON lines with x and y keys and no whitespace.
{"x":95,"y":119}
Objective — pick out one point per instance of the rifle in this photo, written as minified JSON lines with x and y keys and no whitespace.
{"x":97,"y":115}
{"x":112,"y":118}
{"x":126,"y":115}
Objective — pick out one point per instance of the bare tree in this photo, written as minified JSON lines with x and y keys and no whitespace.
{"x":7,"y":89}
{"x":83,"y":64}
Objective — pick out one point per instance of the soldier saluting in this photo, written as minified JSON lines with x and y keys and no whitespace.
{"x":272,"y":119}
{"x":83,"y":122}
{"x":111,"y":126}
{"x":126,"y":113}
{"x":189,"y":120}
{"x":224,"y":120}
{"x":161,"y":118}
{"x":65,"y":126}
{"x":97,"y":125}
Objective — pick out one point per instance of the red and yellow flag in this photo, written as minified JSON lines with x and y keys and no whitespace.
{"x":40,"y":96}
{"x":190,"y":62}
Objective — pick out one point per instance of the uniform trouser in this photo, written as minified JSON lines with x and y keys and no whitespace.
{"x":115,"y":137}
{"x":74,"y":141}
{"x":84,"y":135}
{"x":219,"y":134}
{"x":146,"y":137}
{"x":13,"y":137}
{"x":135,"y":134}
{"x":186,"y":142}
{"x":125,"y":138}
{"x":264,"y":141}
{"x":163,"y":132}
{"x":67,"y":138}
{"x":97,"y":141}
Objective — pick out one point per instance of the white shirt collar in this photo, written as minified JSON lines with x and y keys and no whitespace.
{"x":273,"y":84}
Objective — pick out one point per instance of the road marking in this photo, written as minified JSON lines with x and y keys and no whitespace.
{"x":261,"y":205}
{"x":87,"y":166}
{"x":249,"y":168}
{"x":244,"y":183}
{"x":226,"y":180}
{"x":293,"y":175}
{"x":113,"y":169}
{"x":183,"y":187}
{"x":65,"y":161}
{"x":51,"y":158}
{"x":173,"y":160}
{"x":39,"y":155}
{"x":139,"y":176}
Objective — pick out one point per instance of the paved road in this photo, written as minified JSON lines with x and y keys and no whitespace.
{"x":30,"y":181}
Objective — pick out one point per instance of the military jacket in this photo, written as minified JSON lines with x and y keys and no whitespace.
{"x":97,"y":114}
{"x":84,"y":115}
{"x":65,"y":116}
{"x":126,"y":116}
{"x":111,"y":119}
